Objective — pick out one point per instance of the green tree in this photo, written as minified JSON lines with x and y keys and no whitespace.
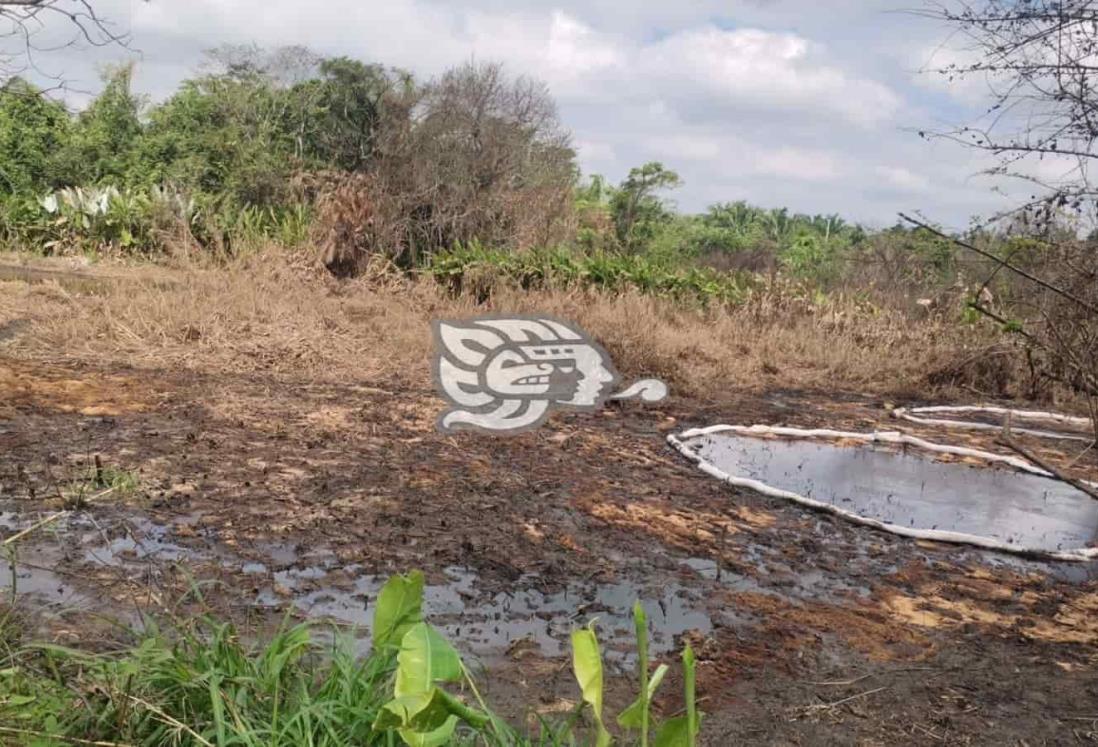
{"x":33,"y":132}
{"x":223,"y":135}
{"x":336,"y":117}
{"x":106,"y":134}
{"x":735,"y":216}
{"x":636,"y":207}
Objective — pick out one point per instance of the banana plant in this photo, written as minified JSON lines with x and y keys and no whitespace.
{"x":681,"y":731}
{"x":422,"y":713}
{"x":637,"y":715}
{"x":587,"y":666}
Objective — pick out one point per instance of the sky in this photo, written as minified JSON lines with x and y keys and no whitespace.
{"x":814,"y":105}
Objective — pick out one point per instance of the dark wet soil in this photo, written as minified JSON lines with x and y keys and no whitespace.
{"x":297,"y":496}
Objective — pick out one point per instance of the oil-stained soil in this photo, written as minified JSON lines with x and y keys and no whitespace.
{"x":292,"y":495}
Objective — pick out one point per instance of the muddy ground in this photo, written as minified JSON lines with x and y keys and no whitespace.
{"x":292,"y":495}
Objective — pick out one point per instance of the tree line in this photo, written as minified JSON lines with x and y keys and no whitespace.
{"x":393,"y":165}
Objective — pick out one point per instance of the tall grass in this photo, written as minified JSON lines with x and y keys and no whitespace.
{"x":198,"y":683}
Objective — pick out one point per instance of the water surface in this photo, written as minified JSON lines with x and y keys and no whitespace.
{"x":912,"y":489}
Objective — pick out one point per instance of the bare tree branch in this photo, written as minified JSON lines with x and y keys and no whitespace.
{"x":1042,"y":464}
{"x":1039,"y":59}
{"x":22,"y":21}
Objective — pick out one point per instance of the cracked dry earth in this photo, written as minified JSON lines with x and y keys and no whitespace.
{"x":297,"y":495}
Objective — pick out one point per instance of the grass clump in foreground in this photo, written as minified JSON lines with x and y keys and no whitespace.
{"x":199,"y":684}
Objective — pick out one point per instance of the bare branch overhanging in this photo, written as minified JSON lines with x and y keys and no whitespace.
{"x":1039,"y":59}
{"x":22,"y":20}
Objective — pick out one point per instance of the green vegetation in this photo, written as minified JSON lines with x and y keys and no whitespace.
{"x":475,"y":269}
{"x":460,"y":176}
{"x":200,"y":684}
{"x":468,"y":178}
{"x":121,"y":483}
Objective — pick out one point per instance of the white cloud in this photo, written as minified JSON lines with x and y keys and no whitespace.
{"x":777,"y":72}
{"x":796,"y":163}
{"x":593,"y":151}
{"x":675,"y":147}
{"x":903,"y":179}
{"x":575,"y":50}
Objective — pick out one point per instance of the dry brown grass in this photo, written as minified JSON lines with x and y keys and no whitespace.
{"x":344,"y":227}
{"x":275,"y":314}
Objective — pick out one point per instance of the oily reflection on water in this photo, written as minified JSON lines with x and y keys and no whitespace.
{"x":909,"y":489}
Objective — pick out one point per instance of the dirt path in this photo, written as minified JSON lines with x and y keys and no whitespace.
{"x":298,"y":495}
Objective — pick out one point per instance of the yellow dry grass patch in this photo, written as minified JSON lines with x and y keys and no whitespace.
{"x":680,"y":526}
{"x":42,"y":386}
{"x":863,"y":626}
{"x":269,"y":313}
{"x":982,"y":603}
{"x":332,"y":418}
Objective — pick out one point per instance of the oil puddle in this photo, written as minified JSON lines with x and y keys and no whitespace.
{"x":483,"y":622}
{"x":29,"y":570}
{"x":489,"y":624}
{"x":33,"y":576}
{"x":52,"y":567}
{"x":1075,"y":574}
{"x":782,"y":580}
{"x":907,"y":490}
{"x":139,"y":540}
